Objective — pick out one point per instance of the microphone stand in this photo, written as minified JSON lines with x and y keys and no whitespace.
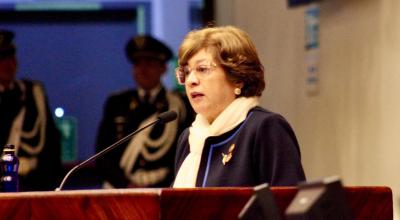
{"x":101,"y":153}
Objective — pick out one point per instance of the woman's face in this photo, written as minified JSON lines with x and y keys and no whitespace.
{"x":207,"y":86}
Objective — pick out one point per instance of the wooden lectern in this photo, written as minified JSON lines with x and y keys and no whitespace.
{"x":200,"y":203}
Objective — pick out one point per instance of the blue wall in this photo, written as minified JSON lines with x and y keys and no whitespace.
{"x":80,"y":59}
{"x":80,"y":64}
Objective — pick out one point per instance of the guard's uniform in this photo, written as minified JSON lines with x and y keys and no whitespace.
{"x":26,"y":122}
{"x":147,"y":159}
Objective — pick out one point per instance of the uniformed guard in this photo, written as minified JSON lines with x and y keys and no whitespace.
{"x":26,"y":122}
{"x":147,"y":159}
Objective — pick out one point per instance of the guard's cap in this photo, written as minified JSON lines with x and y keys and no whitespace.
{"x":147,"y":46}
{"x":7,"y":48}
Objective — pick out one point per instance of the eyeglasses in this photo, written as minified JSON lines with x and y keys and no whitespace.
{"x":201,"y":71}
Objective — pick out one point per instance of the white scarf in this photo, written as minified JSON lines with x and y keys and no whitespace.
{"x":200,"y":130}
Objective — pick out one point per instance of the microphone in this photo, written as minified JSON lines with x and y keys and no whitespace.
{"x":164,"y":117}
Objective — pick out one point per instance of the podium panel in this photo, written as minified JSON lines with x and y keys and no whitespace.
{"x":151,"y":204}
{"x":203,"y":203}
{"x":226,"y":203}
{"x":81,"y":204}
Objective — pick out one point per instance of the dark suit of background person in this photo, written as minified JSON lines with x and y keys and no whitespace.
{"x":147,"y":159}
{"x":26,"y":122}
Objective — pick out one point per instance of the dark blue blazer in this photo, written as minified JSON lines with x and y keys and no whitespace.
{"x":265,"y":150}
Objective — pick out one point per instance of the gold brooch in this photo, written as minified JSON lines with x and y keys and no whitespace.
{"x":227,"y":157}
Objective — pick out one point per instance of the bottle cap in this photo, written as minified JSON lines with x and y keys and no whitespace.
{"x":9,"y":147}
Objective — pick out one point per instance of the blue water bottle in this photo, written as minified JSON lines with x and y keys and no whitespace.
{"x":9,"y":169}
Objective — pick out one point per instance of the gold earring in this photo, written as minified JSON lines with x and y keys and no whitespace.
{"x":237,"y":91}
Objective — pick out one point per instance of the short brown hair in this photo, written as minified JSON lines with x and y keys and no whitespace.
{"x":233,"y":49}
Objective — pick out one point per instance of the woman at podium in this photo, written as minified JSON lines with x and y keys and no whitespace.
{"x":233,"y":140}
